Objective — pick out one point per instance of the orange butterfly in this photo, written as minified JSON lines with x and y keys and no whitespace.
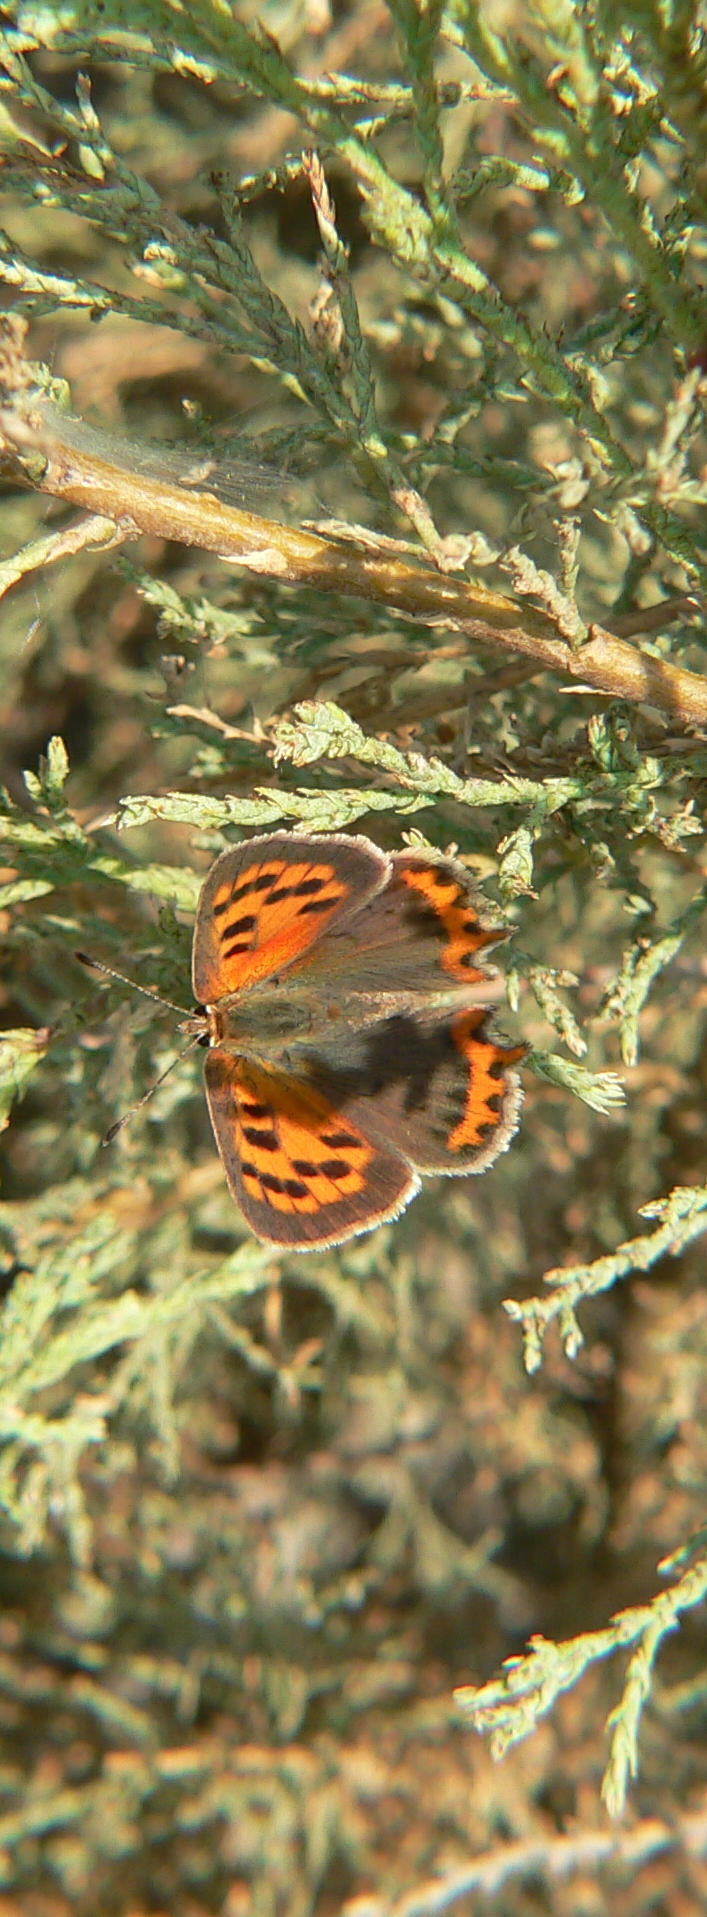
{"x":350,"y":1047}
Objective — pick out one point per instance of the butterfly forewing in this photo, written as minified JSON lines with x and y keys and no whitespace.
{"x":265,"y":903}
{"x":302,"y":1174}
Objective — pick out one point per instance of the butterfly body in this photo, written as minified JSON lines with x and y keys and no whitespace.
{"x":347,"y":1011}
{"x":267,"y":1023}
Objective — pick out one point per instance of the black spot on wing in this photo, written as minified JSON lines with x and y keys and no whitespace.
{"x":237,"y":927}
{"x":266,"y":1141}
{"x":290,"y":1187}
{"x":332,"y":1168}
{"x":318,"y":905}
{"x":302,"y":889}
{"x":252,"y":882}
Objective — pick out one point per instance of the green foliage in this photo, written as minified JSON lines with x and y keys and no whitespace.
{"x":683,"y":1218}
{"x":263,"y":1516}
{"x":531,"y":1684}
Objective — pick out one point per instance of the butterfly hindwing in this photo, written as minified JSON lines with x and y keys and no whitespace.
{"x":442,"y":1090}
{"x":442,"y":912}
{"x":424,"y":931}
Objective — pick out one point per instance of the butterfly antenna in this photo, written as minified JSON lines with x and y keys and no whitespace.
{"x":96,"y":965}
{"x":113,"y":1130}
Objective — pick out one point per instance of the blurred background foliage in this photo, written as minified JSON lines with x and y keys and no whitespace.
{"x":263,"y":1514}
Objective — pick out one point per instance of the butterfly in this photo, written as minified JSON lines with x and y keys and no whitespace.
{"x":347,"y":1017}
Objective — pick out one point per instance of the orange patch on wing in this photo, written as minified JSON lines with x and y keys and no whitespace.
{"x":303,"y":1174}
{"x":301,"y":1156}
{"x":488,"y":1063}
{"x":443,"y":893}
{"x":268,"y":916}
